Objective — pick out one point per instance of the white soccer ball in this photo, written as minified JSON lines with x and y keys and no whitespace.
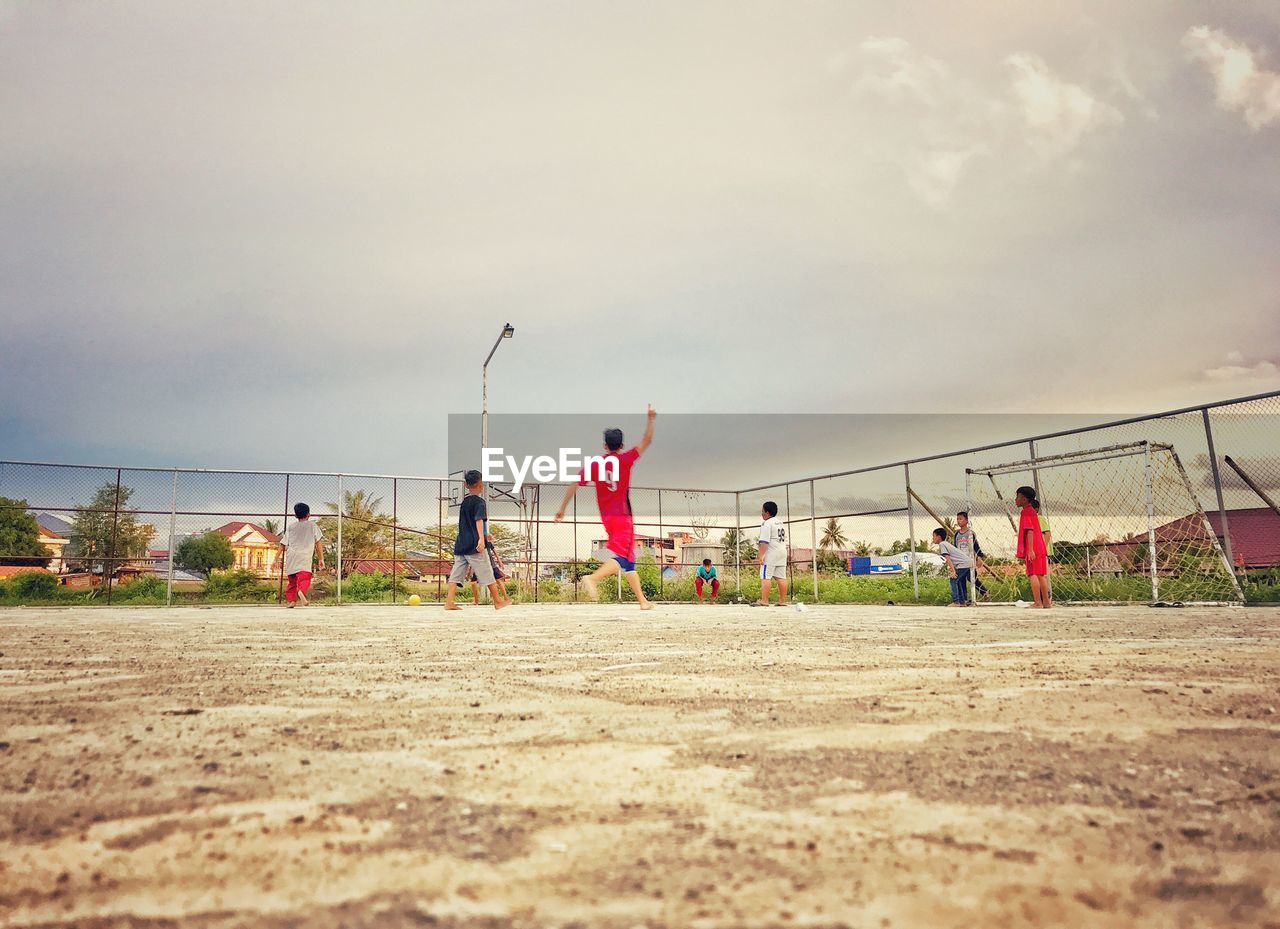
{"x":1021,"y":604}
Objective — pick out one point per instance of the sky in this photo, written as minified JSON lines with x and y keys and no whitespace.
{"x":285,"y":234}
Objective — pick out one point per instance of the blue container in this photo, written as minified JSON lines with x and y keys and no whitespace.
{"x":860,"y":564}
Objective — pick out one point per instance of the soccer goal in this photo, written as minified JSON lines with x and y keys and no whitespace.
{"x":1125,"y":527}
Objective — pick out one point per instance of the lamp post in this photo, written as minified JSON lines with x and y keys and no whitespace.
{"x":508,"y":331}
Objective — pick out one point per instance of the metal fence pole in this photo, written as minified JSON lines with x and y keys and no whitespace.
{"x":440,"y":499}
{"x":660,"y":548}
{"x":1217,"y":487}
{"x":737,"y":541}
{"x":813,"y":539}
{"x":395,"y":537}
{"x":973,"y":538}
{"x":108,"y":566}
{"x":537,"y":540}
{"x":577,"y":568}
{"x":1151,"y":524}
{"x":911,"y":532}
{"x":337,"y":558}
{"x":284,"y":525}
{"x":173,"y":528}
{"x":1044,"y":508}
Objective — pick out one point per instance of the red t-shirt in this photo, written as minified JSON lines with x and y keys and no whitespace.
{"x":1030,"y":520}
{"x":611,"y":496}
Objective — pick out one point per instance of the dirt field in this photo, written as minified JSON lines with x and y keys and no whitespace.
{"x":593,"y":766}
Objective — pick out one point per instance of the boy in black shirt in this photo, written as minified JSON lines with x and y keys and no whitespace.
{"x":468,"y":548}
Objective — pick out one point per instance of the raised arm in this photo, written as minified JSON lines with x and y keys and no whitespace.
{"x":648,"y":431}
{"x":568,"y":498}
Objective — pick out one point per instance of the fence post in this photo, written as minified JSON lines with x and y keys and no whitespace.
{"x":1151,"y":524}
{"x":1035,"y":479}
{"x":173,"y":528}
{"x":576,"y":564}
{"x":973,"y":538}
{"x":737,"y":541}
{"x":911,"y":532}
{"x":284,"y":524}
{"x":1217,"y":487}
{"x":395,"y":537}
{"x":537,"y":541}
{"x":660,"y":548}
{"x":440,"y":499}
{"x":108,"y":566}
{"x":338,"y":549}
{"x":813,"y":539}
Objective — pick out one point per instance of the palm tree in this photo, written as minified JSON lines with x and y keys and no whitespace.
{"x":366,"y":531}
{"x":833,"y":535}
{"x":272,"y":526}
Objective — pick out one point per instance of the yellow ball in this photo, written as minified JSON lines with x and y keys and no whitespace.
{"x":414,"y":600}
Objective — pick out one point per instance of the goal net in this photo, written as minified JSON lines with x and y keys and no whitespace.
{"x":1125,"y":527}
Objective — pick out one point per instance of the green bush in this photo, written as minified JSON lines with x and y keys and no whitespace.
{"x":33,"y":585}
{"x":367,"y":588}
{"x":239,"y":586}
{"x":143,"y":590}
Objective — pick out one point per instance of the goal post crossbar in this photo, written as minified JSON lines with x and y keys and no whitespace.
{"x":1072,"y":458}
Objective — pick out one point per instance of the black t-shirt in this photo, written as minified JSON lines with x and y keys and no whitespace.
{"x":472,"y":508}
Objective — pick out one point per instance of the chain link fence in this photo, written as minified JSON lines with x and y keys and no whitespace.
{"x":149,"y":536}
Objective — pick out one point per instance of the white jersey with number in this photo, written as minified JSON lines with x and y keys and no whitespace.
{"x":775,"y":533}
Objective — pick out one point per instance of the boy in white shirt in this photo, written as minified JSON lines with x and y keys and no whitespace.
{"x":773,"y":554}
{"x":297,"y":543}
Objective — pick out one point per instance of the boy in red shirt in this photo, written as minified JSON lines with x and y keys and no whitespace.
{"x":615,"y":511}
{"x":1031,"y":547}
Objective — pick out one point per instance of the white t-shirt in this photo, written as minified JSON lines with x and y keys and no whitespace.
{"x":775,"y":533}
{"x":300,"y":541}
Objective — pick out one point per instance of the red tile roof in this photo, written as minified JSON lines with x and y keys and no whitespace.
{"x":230,"y":529}
{"x":11,"y":570}
{"x":1255,"y":534}
{"x":50,"y":533}
{"x":384,"y":565}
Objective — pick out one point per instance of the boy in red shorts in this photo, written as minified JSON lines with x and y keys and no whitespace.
{"x":1031,"y":547}
{"x":615,"y":511}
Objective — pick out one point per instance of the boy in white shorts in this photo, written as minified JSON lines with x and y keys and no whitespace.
{"x":773,"y":554}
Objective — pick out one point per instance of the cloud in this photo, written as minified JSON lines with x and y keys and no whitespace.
{"x":1036,"y":119}
{"x":1057,"y":113}
{"x":933,"y":175}
{"x":1241,"y":85}
{"x":1237,"y":369}
{"x":896,"y":71}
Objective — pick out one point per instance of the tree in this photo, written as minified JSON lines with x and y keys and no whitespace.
{"x":830,"y":562}
{"x":20,"y":536}
{"x":205,"y":554}
{"x":272,"y":526}
{"x":366,"y":530}
{"x":510,"y":543}
{"x":904,"y":545}
{"x":833,"y":535}
{"x":861,"y":548}
{"x":106,"y":532}
{"x":735,"y":541}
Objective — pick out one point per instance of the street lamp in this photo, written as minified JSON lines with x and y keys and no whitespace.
{"x":508,"y":331}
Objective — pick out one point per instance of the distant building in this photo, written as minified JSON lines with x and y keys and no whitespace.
{"x":55,"y":535}
{"x":255,"y":549}
{"x":665,"y":550}
{"x":8,"y":571}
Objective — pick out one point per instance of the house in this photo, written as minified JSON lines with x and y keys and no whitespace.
{"x":255,"y":549}
{"x":55,"y":535}
{"x":8,"y":571}
{"x":664,"y":550}
{"x":1255,"y":537}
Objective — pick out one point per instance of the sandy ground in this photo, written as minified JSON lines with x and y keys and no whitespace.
{"x":593,"y":766}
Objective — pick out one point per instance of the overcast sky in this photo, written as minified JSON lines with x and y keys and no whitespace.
{"x":285,"y":234}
